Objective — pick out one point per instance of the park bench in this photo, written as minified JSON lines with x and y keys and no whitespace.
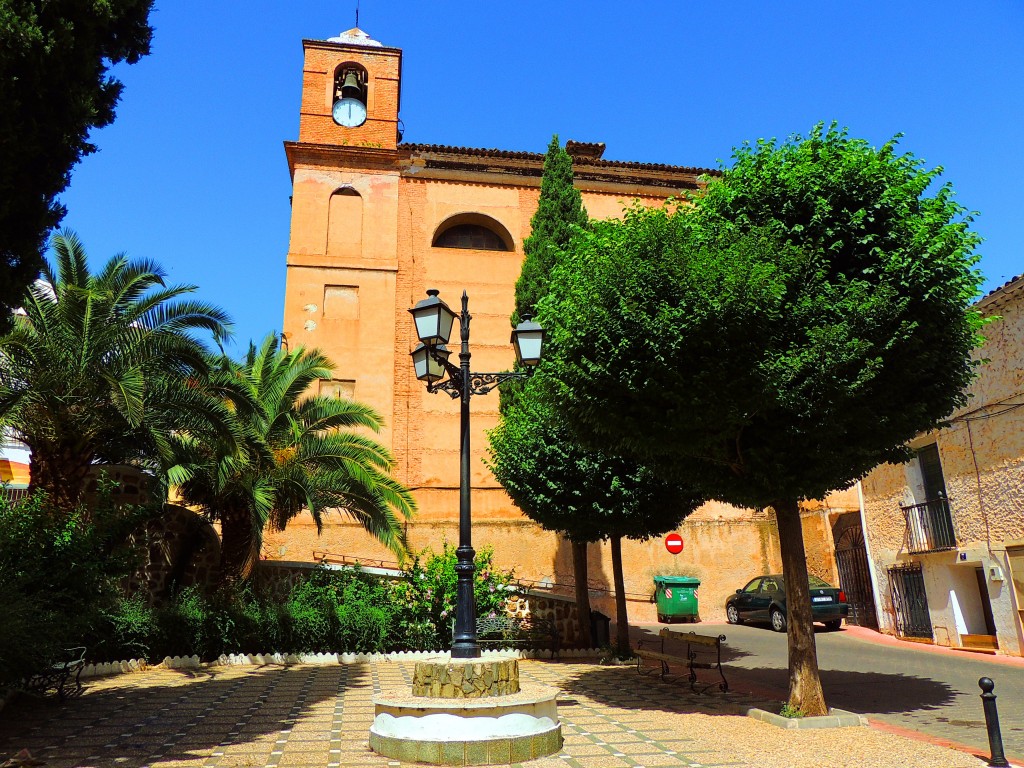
{"x":63,"y":676}
{"x":511,"y":632}
{"x":683,"y":649}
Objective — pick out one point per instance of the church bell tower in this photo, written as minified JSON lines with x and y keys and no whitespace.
{"x":342,"y":253}
{"x":350,"y":92}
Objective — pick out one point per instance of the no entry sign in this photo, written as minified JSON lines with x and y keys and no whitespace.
{"x":674,"y":543}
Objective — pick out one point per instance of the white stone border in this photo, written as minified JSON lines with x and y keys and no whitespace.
{"x":836,"y":718}
{"x":283,"y":659}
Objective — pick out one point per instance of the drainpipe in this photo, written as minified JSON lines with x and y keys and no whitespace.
{"x":871,"y":560}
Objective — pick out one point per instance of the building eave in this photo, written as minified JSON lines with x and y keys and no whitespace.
{"x":504,"y":154}
{"x":1011,"y":289}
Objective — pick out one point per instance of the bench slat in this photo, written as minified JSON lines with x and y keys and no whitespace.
{"x":660,"y":656}
{"x":704,"y":644}
{"x":692,"y":637}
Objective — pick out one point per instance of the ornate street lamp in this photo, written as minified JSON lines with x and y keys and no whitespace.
{"x":434,"y":322}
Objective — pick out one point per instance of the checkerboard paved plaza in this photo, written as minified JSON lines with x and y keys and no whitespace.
{"x":318,"y":716}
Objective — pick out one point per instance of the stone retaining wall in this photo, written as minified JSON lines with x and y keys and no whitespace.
{"x":558,"y":609}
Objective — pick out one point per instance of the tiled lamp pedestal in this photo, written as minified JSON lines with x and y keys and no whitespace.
{"x":467,"y":712}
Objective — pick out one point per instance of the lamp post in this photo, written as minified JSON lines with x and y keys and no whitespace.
{"x":434,"y":322}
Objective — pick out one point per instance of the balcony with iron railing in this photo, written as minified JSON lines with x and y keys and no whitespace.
{"x":929,"y":526}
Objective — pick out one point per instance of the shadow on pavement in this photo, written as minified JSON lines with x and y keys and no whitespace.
{"x":863,"y":692}
{"x":128,"y":723}
{"x":854,"y":691}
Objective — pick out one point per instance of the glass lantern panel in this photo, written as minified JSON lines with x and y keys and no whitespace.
{"x":420,"y":362}
{"x":528,"y":347}
{"x":445,"y":321}
{"x":427,"y":325}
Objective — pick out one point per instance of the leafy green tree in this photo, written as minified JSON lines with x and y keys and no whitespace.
{"x":104,"y":368}
{"x":54,"y":88}
{"x":559,"y":213}
{"x":805,"y":319}
{"x":582,"y":493}
{"x":298,"y":452}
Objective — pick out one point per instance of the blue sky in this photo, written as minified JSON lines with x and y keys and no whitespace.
{"x":193,"y":173}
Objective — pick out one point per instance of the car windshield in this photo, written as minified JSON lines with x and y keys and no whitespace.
{"x":812,"y":581}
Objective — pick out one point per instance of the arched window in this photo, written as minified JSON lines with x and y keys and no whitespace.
{"x":345,"y":223}
{"x":474,"y":231}
{"x":347,"y":86}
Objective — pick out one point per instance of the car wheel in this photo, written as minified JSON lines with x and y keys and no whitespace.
{"x":778,"y":620}
{"x":732,"y":615}
{"x":834,"y":625}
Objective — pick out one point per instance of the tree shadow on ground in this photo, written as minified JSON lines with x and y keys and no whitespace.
{"x":854,"y":691}
{"x":132,"y":722}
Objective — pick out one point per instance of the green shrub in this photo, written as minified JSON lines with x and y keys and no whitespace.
{"x":327,"y":611}
{"x":59,"y":573}
{"x":791,"y":712}
{"x":362,"y":628}
{"x":262,"y":625}
{"x":130,"y":629}
{"x":182,"y":625}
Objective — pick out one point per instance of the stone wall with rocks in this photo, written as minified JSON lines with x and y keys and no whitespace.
{"x":180,"y":549}
{"x":558,"y":609}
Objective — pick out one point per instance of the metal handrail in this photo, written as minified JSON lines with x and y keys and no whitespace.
{"x":364,"y":562}
{"x":929,"y":526}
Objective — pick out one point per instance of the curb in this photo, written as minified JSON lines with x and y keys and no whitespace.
{"x":836,"y":718}
{"x":130,"y":666}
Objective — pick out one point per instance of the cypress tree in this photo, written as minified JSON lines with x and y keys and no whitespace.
{"x":559,"y":214}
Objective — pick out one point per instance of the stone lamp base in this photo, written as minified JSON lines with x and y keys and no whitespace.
{"x":467,"y":712}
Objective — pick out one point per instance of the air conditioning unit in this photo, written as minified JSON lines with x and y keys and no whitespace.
{"x":995,"y":573}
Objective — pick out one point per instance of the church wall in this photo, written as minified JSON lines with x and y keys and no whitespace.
{"x":723,"y":549}
{"x":363,"y":325}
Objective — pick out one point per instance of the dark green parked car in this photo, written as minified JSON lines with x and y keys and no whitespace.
{"x":764,"y":599}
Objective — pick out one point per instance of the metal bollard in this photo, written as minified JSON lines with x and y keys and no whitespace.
{"x":995,"y":737}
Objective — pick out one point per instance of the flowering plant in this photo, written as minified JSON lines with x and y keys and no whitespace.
{"x":428,"y":595}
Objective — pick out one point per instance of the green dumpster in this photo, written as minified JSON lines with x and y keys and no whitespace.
{"x":676,"y":597}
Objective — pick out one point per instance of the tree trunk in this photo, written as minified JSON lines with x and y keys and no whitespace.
{"x":579,"y":567}
{"x":621,"y":617}
{"x":236,"y":545}
{"x":62,"y":476}
{"x":804,"y":681}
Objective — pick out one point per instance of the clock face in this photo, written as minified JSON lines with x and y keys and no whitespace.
{"x":349,"y":112}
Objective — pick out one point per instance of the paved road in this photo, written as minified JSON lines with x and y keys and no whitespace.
{"x":903,"y":685}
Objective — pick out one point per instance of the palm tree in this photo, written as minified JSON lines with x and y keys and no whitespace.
{"x":104,"y":368}
{"x":299,"y":452}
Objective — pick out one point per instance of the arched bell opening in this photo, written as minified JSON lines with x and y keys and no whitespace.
{"x":351,"y":91}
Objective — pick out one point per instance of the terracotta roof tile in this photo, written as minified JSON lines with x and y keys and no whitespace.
{"x":1010,"y":286}
{"x":539,"y":157}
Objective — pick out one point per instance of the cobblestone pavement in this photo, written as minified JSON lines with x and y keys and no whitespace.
{"x":318,"y":716}
{"x":933,"y":691}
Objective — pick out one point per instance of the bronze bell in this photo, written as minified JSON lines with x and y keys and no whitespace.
{"x":350,"y":86}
